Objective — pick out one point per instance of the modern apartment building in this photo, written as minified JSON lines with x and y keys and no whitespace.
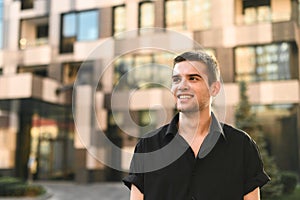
{"x":52,"y":128}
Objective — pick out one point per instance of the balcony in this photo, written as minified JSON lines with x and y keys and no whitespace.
{"x":38,"y":55}
{"x":26,"y":85}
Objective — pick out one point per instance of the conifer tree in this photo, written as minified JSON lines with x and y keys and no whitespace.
{"x":246,"y":120}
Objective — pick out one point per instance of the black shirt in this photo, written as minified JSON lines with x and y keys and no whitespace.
{"x":227,"y":167}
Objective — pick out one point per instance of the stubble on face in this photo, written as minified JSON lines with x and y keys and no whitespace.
{"x":190,"y":86}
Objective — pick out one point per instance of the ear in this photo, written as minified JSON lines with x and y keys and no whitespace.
{"x":215,"y":88}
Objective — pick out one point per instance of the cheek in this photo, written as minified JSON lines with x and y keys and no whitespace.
{"x":173,"y":89}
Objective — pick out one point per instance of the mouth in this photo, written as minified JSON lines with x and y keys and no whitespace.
{"x":185,"y":96}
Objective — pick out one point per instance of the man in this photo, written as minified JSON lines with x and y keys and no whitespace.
{"x":216,"y":161}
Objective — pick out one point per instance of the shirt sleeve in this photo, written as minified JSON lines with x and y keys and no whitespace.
{"x":255,"y":176}
{"x":135,"y":176}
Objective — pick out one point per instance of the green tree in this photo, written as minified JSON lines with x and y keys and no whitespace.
{"x":246,"y":120}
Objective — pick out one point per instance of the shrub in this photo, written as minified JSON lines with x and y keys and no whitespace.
{"x":289,"y":181}
{"x":10,"y":186}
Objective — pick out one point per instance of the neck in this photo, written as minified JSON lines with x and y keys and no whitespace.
{"x":192,"y":123}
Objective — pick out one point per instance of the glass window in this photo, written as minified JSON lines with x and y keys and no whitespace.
{"x":175,"y":14}
{"x":33,"y":32}
{"x":199,"y":14}
{"x":146,"y":14}
{"x":119,"y":19}
{"x":265,"y":62}
{"x":41,"y":70}
{"x":88,"y":25}
{"x":69,"y":72}
{"x":245,"y":63}
{"x":143,"y":70}
{"x":78,"y":26}
{"x":256,"y":11}
{"x":69,"y":25}
{"x":26,"y":4}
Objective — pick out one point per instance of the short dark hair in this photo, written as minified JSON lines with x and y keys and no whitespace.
{"x":201,"y":56}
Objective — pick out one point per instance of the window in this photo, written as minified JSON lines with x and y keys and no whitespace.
{"x":266,"y":62}
{"x":78,"y":26}
{"x":199,"y":14}
{"x":119,"y":19}
{"x":188,"y":15}
{"x":257,"y":11}
{"x":143,"y":70}
{"x":88,"y":26}
{"x":146,"y":15}
{"x":69,"y":72}
{"x":253,"y":11}
{"x":34,"y":32}
{"x":41,"y":70}
{"x":175,"y":14}
{"x":26,"y":4}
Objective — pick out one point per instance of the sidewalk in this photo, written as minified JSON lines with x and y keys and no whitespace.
{"x":95,"y":191}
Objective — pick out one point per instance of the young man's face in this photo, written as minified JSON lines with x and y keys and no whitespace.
{"x":190,"y":86}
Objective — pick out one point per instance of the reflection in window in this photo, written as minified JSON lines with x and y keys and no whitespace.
{"x":175,"y":14}
{"x":140,"y":70}
{"x":256,"y":11}
{"x":78,"y":26}
{"x":245,"y":63}
{"x":69,"y":71}
{"x":191,"y":15}
{"x":88,"y":26}
{"x":199,"y":14}
{"x":146,"y":15}
{"x":119,"y":19}
{"x":266,"y":62}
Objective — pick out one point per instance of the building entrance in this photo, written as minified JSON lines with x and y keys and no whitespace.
{"x":45,"y":149}
{"x":50,"y":162}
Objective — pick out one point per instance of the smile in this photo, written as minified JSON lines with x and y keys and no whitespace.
{"x":184,"y":96}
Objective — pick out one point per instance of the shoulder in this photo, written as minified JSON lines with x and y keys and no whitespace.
{"x":153,"y":140}
{"x":233,"y":134}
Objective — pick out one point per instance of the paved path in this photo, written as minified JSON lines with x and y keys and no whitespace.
{"x":95,"y":191}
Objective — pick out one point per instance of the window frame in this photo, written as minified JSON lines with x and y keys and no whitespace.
{"x":140,"y":14}
{"x":255,"y":76}
{"x":181,"y":25}
{"x":68,"y":47}
{"x":113,"y":29}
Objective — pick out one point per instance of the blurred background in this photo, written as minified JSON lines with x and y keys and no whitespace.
{"x":44,"y":43}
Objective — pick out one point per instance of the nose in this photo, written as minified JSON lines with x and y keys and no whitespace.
{"x":183,"y":85}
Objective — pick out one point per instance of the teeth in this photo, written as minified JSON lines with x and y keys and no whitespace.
{"x":185,"y":97}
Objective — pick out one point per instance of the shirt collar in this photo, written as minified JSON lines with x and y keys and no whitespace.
{"x":215,"y":131}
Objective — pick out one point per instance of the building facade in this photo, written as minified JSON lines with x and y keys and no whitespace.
{"x":73,"y":71}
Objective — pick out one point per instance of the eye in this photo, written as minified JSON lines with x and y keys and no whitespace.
{"x":194,"y":78}
{"x":176,"y":79}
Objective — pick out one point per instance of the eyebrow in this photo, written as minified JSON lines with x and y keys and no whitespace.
{"x":178,"y":75}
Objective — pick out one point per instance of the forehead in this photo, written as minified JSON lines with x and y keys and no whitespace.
{"x":190,"y":67}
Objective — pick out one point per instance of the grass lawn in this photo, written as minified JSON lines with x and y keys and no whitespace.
{"x":294,"y":196}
